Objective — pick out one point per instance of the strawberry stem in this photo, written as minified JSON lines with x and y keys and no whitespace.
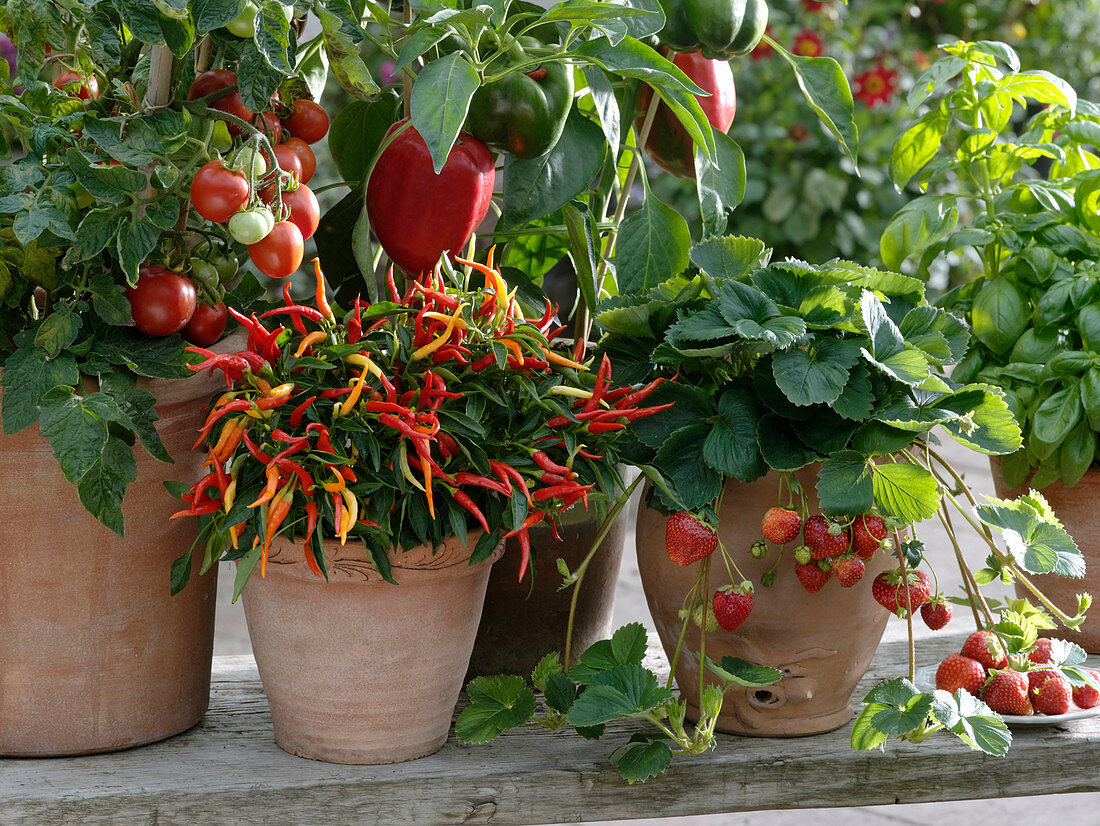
{"x":908,"y":607}
{"x":704,"y":576}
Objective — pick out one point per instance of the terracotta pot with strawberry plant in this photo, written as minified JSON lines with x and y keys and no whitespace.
{"x":133,"y":150}
{"x":796,"y":464}
{"x":365,"y":468}
{"x":1033,"y":304}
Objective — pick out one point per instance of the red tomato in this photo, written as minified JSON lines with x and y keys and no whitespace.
{"x":296,"y":148}
{"x":217,"y":192}
{"x":213,"y":80}
{"x":305,"y":212}
{"x":669,"y":145}
{"x":87,"y":90}
{"x":162,"y":301}
{"x":206,"y":325}
{"x":418,"y":215}
{"x":308,"y":122}
{"x":273,"y":127}
{"x":280,"y":253}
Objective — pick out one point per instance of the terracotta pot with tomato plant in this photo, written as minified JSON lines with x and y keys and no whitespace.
{"x":365,"y":467}
{"x":136,"y":172}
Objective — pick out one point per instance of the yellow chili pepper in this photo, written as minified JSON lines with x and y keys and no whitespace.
{"x":363,"y":360}
{"x":562,"y":360}
{"x":406,"y":471}
{"x":280,"y":392}
{"x":230,"y":496}
{"x":460,"y":324}
{"x":576,"y":392}
{"x":443,"y":338}
{"x":351,"y":514}
{"x":309,"y":340}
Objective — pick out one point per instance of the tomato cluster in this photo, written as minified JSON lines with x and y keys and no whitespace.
{"x":163,"y":302}
{"x":263,"y":200}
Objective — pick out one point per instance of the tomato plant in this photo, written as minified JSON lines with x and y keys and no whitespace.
{"x":206,"y":325}
{"x":162,"y":301}
{"x":217,"y":192}
{"x":85,"y":87}
{"x":309,"y":121}
{"x":294,"y":155}
{"x":305,"y":212}
{"x":279,"y":254}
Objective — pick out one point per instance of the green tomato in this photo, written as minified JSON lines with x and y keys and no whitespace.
{"x":244,"y":24}
{"x":250,"y":226}
{"x":226,"y":266}
{"x":249,"y":161}
{"x":204,"y":271}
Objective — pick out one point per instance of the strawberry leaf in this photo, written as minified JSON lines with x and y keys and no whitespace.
{"x":623,"y":691}
{"x":736,"y":670}
{"x":900,"y":720}
{"x":906,"y":491}
{"x":642,"y":758}
{"x":864,"y":734}
{"x":496,"y":704}
{"x":972,"y":721}
{"x":627,"y":646}
{"x":1033,"y":535}
{"x":896,"y":692}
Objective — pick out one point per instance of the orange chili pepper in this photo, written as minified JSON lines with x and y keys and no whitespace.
{"x":443,"y":338}
{"x":338,"y":485}
{"x":308,"y":341}
{"x":269,"y":489}
{"x":562,"y":360}
{"x":322,"y":301}
{"x":513,"y":348}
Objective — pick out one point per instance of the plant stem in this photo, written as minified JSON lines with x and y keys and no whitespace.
{"x":406,"y":78}
{"x":705,"y":576}
{"x":1064,"y":618}
{"x":683,"y":634}
{"x":972,"y":593}
{"x":601,"y":535}
{"x":908,"y":606}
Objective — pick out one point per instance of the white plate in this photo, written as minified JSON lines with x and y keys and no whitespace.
{"x":926,"y":681}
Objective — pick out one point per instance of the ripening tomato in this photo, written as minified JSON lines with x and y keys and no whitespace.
{"x":280,"y":253}
{"x":272,"y":127}
{"x":206,"y":325}
{"x":162,"y":301}
{"x":217,"y":192}
{"x":305,"y":212}
{"x":294,"y":155}
{"x":308,"y":122}
{"x":87,"y":90}
{"x":214,"y":80}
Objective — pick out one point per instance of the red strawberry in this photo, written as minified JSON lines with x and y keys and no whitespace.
{"x":1041,"y":654}
{"x":1052,"y":695}
{"x":957,"y":671}
{"x":1036,"y":678}
{"x":1007,"y":694}
{"x":1087,"y":696}
{"x":688,"y":540}
{"x":848,"y":570}
{"x":868,"y":532}
{"x":936,"y":613}
{"x":780,"y":525}
{"x":888,"y":591}
{"x":732,"y":604}
{"x":986,"y":648}
{"x":812,"y":576}
{"x":824,"y":538}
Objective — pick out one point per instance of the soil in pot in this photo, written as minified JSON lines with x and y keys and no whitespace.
{"x":95,"y":653}
{"x":1076,"y":507}
{"x":821,"y":642}
{"x":523,"y":621}
{"x":357,"y":670}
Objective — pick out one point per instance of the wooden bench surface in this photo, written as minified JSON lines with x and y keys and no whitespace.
{"x":229,"y":770}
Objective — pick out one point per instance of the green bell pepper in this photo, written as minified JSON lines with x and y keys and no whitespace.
{"x":718,"y":28}
{"x":523,"y":113}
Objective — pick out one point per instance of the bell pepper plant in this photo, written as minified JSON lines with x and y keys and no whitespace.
{"x":439,"y":411}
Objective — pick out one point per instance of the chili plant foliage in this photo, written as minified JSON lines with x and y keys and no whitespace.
{"x":401,"y":422}
{"x":1023,"y":194}
{"x":95,"y":187}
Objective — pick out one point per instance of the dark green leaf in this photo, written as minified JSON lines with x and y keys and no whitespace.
{"x":560,"y":693}
{"x":496,"y":704}
{"x":440,"y":99}
{"x":732,"y":256}
{"x":27,"y":376}
{"x":101,"y":489}
{"x":818,"y":374}
{"x":76,"y":427}
{"x":357,"y":132}
{"x":999,"y":315}
{"x":272,"y":37}
{"x":730,"y":447}
{"x":652,"y":246}
{"x":58,"y":330}
{"x":826,"y":89}
{"x":622,"y":691}
{"x":640,"y":760}
{"x":721,"y":186}
{"x":780,"y":445}
{"x":736,"y":671}
{"x":844,"y":484}
{"x":682,"y":458}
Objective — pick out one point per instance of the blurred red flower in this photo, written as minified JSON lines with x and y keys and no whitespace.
{"x":876,"y":85}
{"x":807,"y":43}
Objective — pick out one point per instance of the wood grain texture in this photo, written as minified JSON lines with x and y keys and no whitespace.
{"x":228,"y":770}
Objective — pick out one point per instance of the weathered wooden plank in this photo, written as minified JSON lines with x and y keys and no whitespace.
{"x":228,"y":770}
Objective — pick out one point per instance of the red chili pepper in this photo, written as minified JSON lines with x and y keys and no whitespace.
{"x":303,"y":475}
{"x":354,"y":324}
{"x":311,"y":522}
{"x":295,"y":320}
{"x":524,"y":552}
{"x":390,"y":420}
{"x":546,"y":463}
{"x":483,"y":363}
{"x":557,"y":491}
{"x":464,"y":478}
{"x":295,"y":311}
{"x":468,"y":503}
{"x":450,"y":352}
{"x":323,"y":443}
{"x":549,"y":478}
{"x":529,"y":363}
{"x":236,"y":405}
{"x":642,"y":412}
{"x":448,"y":447}
{"x":590,"y":456}
{"x":260,"y":455}
{"x":233,"y":367}
{"x":347,"y":473}
{"x":501,"y":471}
{"x":375,"y":406}
{"x":337,"y":511}
{"x":601,"y":384}
{"x":631,"y":399}
{"x":544,"y":323}
{"x":500,"y":468}
{"x":554,"y":529}
{"x":335,"y":392}
{"x":442,"y":299}
{"x":604,"y":427}
{"x":299,"y":411}
{"x":270,"y":402}
{"x":553,"y":334}
{"x":395,"y":296}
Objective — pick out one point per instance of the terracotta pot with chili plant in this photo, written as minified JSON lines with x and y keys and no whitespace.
{"x":397,"y":442}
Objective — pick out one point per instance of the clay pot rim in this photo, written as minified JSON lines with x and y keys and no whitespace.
{"x":351,"y":564}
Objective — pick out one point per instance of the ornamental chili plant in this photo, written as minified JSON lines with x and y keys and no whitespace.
{"x":440,"y":411}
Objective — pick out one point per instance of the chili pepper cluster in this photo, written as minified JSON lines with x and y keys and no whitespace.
{"x":404,"y":421}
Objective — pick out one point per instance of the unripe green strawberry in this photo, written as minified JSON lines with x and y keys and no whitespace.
{"x":759,"y":549}
{"x":802,"y":555}
{"x":702,"y":616}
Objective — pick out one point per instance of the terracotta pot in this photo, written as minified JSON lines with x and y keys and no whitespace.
{"x":821,"y":642}
{"x":523,"y":621}
{"x":1076,"y":508}
{"x":95,"y":653}
{"x":357,"y":670}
